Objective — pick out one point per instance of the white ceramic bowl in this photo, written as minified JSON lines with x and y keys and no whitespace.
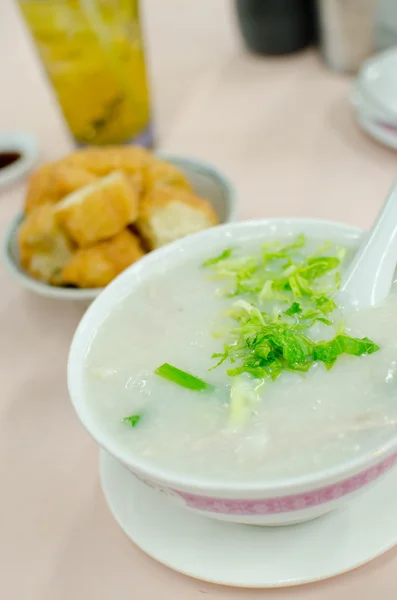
{"x":378,"y":125}
{"x":207,"y":181}
{"x":377,"y":83}
{"x":363,"y":106}
{"x":263,"y":502}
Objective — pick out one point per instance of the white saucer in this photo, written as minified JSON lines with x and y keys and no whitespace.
{"x":246,"y":556}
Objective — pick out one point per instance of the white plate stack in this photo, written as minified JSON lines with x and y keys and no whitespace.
{"x":374,"y":97}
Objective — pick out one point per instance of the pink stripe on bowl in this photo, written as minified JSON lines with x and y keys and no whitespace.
{"x":290,"y":503}
{"x":389,"y":126}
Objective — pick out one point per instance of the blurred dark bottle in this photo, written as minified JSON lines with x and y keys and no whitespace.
{"x":277,"y":26}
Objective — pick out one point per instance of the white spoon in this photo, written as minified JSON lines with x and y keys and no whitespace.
{"x":369,"y":276}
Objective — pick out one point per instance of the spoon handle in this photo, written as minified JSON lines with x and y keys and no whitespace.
{"x":369,"y":277}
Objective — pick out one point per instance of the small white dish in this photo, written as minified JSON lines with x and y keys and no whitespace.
{"x":251,"y":557}
{"x":207,"y":181}
{"x":373,"y":121}
{"x":23,"y":144}
{"x":382,"y":133}
{"x":377,"y":82}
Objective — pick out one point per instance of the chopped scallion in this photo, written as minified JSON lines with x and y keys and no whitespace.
{"x":132,"y":420}
{"x":183,"y":378}
{"x":217,"y":259}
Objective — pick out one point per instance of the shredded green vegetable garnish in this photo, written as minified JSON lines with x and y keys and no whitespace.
{"x":133,"y":420}
{"x":183,"y":378}
{"x":282,"y":292}
{"x":264,"y":345}
{"x":278,"y":271}
{"x":216,"y":259}
{"x":294,"y":309}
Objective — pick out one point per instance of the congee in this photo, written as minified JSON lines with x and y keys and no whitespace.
{"x":239,"y":366}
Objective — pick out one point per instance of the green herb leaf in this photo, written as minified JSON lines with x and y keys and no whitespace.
{"x":328,"y":352}
{"x":133,"y":420}
{"x":183,"y":378}
{"x":222,"y":357}
{"x":217,"y":259}
{"x":294,"y":309}
{"x":324,"y":320}
{"x":314,"y":315}
{"x":325,"y":304}
{"x":318,"y":266}
{"x":295,"y":287}
{"x":299,"y":243}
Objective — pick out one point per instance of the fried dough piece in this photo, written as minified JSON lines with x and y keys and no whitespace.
{"x":38,"y":186}
{"x":54,"y":181}
{"x":160,"y":172}
{"x":66,"y":179}
{"x":102,"y":161}
{"x":98,"y":211}
{"x":44,"y":247}
{"x":169,"y":213}
{"x":98,"y":265}
{"x":136,"y":180}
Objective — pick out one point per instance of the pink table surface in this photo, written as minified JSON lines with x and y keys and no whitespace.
{"x":283,"y":131}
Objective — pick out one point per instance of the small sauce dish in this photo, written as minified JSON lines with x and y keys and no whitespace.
{"x":18,"y":154}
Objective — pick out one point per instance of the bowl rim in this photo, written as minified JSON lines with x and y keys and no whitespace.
{"x":119,"y":289}
{"x":89,"y":294}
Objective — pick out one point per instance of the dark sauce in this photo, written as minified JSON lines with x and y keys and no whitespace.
{"x":8,"y":158}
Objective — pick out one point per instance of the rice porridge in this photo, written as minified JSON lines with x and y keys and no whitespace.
{"x":300,"y":384}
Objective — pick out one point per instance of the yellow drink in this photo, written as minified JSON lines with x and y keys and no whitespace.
{"x":93,"y":53}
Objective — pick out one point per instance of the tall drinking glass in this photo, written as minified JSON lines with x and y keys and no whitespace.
{"x":92,"y":51}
